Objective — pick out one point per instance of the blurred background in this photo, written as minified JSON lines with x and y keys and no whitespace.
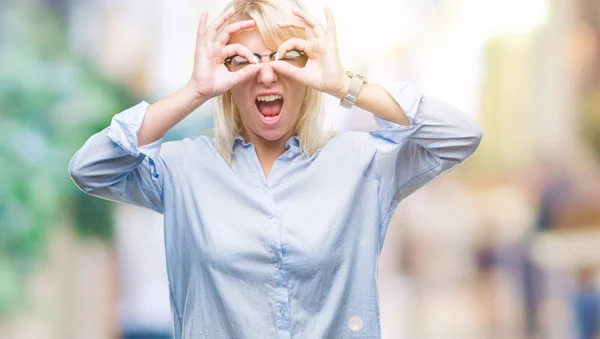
{"x":505,"y":246}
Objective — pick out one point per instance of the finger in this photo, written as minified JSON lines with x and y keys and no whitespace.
{"x":331,"y":30}
{"x":218,"y":23}
{"x":288,"y":24}
{"x":309,"y":20}
{"x":287,"y":69}
{"x":229,"y":30}
{"x":201,"y":36}
{"x":246,"y":73}
{"x":202,"y":24}
{"x":308,"y":30}
{"x":241,"y":50}
{"x":293,"y":43}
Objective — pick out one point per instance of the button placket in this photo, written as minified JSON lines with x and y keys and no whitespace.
{"x":280,"y":280}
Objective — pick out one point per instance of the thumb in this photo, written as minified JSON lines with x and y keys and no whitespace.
{"x":286,"y":69}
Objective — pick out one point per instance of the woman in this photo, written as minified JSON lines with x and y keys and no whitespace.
{"x":273,"y":228}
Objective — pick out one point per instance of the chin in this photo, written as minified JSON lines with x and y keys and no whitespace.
{"x":272,"y":135}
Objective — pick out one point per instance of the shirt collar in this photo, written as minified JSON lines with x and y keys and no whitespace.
{"x":292,"y":143}
{"x":240,"y":139}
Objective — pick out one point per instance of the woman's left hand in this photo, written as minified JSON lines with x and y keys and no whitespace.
{"x":323,"y":70}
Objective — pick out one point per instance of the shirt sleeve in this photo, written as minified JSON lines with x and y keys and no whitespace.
{"x":407,"y":157}
{"x":110,"y":165}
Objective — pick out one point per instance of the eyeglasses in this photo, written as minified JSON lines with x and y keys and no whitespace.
{"x":294,"y":57}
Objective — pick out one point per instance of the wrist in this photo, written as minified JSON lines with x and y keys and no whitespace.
{"x":190,"y":91}
{"x":339,"y":91}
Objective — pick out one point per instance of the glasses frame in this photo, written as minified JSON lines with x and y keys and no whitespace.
{"x":260,"y":56}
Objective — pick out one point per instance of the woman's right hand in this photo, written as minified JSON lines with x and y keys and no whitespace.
{"x":211,"y":77}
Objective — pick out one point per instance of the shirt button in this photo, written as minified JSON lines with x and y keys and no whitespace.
{"x":355,"y":323}
{"x":273,"y":219}
{"x":290,"y":155}
{"x":278,"y":264}
{"x":281,"y":311}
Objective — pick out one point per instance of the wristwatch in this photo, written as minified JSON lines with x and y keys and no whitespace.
{"x":355,"y":85}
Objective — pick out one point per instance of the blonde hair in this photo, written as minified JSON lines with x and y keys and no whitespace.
{"x":228,"y":123}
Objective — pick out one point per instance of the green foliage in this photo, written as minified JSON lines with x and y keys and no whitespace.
{"x":591,"y":121}
{"x":51,"y":101}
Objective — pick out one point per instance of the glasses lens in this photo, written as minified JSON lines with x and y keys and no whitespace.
{"x":238,"y":62}
{"x":295,"y":58}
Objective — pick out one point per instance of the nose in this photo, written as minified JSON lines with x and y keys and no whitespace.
{"x":267,"y":75}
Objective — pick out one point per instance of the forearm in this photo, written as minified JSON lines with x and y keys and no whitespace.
{"x":109,"y":157}
{"x":376,"y":100}
{"x":168,"y":112}
{"x":442,"y":129}
{"x":439,"y":138}
{"x":109,"y":166}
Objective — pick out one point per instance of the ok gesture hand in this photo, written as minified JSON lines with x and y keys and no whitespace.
{"x":211,"y":77}
{"x":323,"y":70}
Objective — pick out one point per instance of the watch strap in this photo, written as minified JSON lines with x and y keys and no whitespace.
{"x":356,"y":83}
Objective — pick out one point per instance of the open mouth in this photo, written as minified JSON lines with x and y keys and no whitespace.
{"x":269,"y":107}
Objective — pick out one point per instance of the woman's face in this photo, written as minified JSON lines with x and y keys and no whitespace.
{"x":269,"y":103}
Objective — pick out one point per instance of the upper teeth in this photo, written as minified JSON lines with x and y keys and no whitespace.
{"x":268,"y":97}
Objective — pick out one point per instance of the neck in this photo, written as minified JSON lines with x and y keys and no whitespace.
{"x":268,"y":151}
